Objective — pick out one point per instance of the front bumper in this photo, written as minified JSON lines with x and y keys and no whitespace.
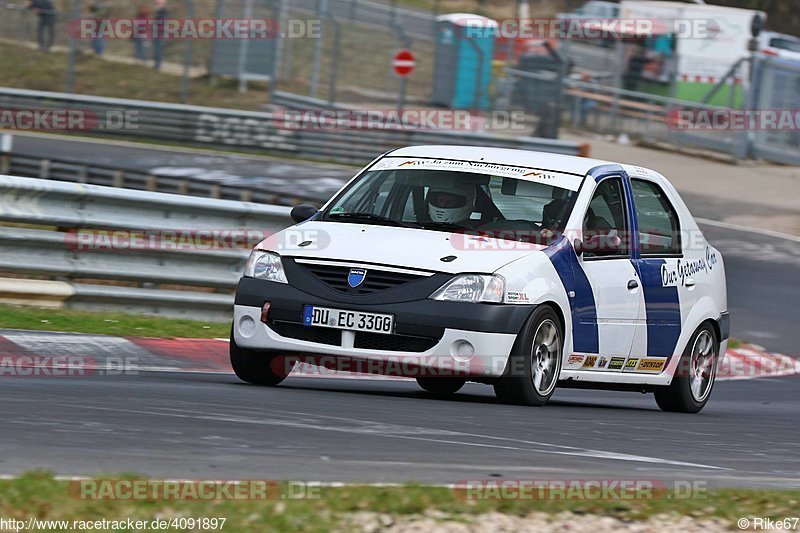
{"x":428,"y":334}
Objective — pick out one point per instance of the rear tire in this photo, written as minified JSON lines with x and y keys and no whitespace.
{"x":253,"y":366}
{"x":694,"y":378}
{"x":441,"y":386}
{"x":535,"y":361}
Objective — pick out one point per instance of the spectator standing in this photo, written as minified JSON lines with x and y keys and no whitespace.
{"x":99,"y":11}
{"x":141,"y":40}
{"x":46,"y":31}
{"x":636,"y":64}
{"x":161,"y":14}
{"x":586,"y":104}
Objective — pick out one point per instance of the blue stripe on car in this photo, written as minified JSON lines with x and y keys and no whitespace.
{"x":662,"y":307}
{"x":585,"y":336}
{"x":601,"y":172}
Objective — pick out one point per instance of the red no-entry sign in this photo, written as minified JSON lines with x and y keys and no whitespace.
{"x":404,"y":62}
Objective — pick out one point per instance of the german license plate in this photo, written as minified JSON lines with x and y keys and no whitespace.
{"x":353,"y":320}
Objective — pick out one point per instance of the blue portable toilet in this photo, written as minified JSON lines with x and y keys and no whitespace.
{"x":463,"y":60}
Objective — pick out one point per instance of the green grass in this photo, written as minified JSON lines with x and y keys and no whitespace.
{"x":44,"y":319}
{"x":38,"y":494}
{"x":24,"y":68}
{"x":734,"y":344}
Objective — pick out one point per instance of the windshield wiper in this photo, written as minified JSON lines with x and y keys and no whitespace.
{"x":369,"y":217}
{"x":447,"y":226}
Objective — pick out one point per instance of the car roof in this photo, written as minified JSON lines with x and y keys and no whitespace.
{"x":522,"y":158}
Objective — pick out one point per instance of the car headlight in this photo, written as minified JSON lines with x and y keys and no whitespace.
{"x":472,"y":288}
{"x":265,"y":265}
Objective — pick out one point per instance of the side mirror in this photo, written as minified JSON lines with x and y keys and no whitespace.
{"x":578,"y":245}
{"x":302,"y":212}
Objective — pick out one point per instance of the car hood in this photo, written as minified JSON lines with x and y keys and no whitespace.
{"x":404,"y":247}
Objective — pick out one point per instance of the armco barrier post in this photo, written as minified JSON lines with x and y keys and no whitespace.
{"x":6,"y":145}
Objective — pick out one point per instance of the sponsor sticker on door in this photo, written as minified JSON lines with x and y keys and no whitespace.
{"x":651,"y":365}
{"x":616,"y":363}
{"x":575,"y":359}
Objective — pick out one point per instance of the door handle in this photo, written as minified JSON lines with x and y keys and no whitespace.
{"x":690,"y":282}
{"x":632,"y":284}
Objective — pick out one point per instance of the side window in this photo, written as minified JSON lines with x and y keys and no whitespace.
{"x":659,"y":227}
{"x":606,"y":217}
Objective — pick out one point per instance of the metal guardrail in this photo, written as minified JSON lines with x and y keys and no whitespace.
{"x":44,"y":167}
{"x":138,"y":278}
{"x":196,"y":125}
{"x":297,"y":101}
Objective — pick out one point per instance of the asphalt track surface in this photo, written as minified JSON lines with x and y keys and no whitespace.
{"x":277,"y":175}
{"x":763,"y":286}
{"x":211,"y":426}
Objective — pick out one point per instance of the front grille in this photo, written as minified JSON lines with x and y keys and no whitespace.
{"x":393,"y":343}
{"x":335,"y":276}
{"x":294,"y":330}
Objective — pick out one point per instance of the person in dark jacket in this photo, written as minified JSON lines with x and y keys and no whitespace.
{"x":99,"y":11}
{"x":636,"y":64}
{"x":160,"y":15}
{"x":46,"y":32}
{"x":141,"y":40}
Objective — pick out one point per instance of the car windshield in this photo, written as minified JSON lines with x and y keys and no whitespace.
{"x":444,"y":200}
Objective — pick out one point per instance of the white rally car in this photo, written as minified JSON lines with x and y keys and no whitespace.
{"x":518,"y":269}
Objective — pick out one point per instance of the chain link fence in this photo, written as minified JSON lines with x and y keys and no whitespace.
{"x":753,"y":110}
{"x":351,"y":61}
{"x":777,"y":88}
{"x":340,"y":50}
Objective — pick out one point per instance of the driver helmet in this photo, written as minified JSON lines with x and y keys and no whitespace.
{"x":453,"y":205}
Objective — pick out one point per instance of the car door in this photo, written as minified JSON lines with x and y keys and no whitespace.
{"x":664,"y":286}
{"x":611,"y":275}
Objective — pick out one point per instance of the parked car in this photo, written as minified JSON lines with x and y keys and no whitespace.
{"x":779,"y":45}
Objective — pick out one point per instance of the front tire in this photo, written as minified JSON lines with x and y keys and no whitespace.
{"x":535,"y":361}
{"x":694,"y":378}
{"x":441,"y":386}
{"x":253,"y":366}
